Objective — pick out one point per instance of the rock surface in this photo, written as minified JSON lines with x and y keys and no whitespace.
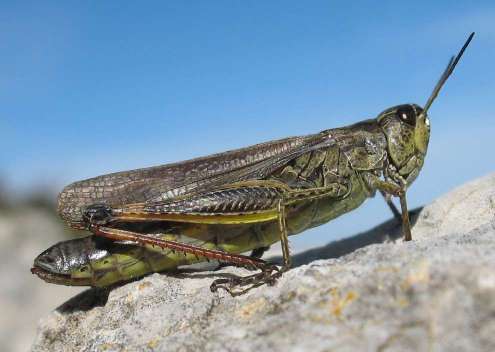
{"x":371,"y":292}
{"x":24,"y":233}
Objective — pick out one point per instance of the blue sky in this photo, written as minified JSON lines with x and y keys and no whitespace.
{"x":94,"y":87}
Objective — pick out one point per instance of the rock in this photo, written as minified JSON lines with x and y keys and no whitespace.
{"x":369,"y":292}
{"x":24,"y":233}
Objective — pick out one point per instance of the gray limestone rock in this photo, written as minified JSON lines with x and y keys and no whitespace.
{"x":371,"y":292}
{"x":24,"y":232}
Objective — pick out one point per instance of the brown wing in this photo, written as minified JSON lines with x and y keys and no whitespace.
{"x":178,"y":179}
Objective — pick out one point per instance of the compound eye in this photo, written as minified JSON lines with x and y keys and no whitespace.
{"x":407,"y":114}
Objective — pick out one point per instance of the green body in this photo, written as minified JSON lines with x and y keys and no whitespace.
{"x":357,"y":152}
{"x":110,"y":262}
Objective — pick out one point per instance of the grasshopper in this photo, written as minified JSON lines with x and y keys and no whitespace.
{"x":219,"y":206}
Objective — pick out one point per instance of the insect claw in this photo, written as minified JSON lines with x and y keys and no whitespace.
{"x":219,"y":283}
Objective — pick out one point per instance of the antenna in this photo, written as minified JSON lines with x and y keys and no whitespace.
{"x":446,"y":74}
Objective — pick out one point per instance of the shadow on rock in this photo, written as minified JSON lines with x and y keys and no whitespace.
{"x":390,"y":230}
{"x":87,"y":300}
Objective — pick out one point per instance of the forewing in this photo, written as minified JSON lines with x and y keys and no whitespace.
{"x":170,"y":181}
{"x":260,"y":169}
